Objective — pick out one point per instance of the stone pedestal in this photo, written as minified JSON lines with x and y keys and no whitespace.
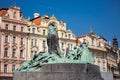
{"x":107,"y":75}
{"x":62,"y":71}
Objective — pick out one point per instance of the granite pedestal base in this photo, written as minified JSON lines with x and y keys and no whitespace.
{"x":62,"y":71}
{"x":107,"y":75}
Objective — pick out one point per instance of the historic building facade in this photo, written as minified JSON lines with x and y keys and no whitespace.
{"x":105,"y":55}
{"x":38,"y":31}
{"x":13,"y":40}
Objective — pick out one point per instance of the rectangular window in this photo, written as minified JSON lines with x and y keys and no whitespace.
{"x":6,"y":38}
{"x":62,"y":45}
{"x":6,"y":26}
{"x":13,"y":68}
{"x":13,"y":52}
{"x":14,"y":39}
{"x":14,"y":28}
{"x":21,"y":53}
{"x":5,"y":52}
{"x":34,"y":42}
{"x":33,"y":53}
{"x":69,"y":46}
{"x":43,"y":32}
{"x":5,"y":68}
{"x":33,"y":30}
{"x":21,"y":41}
{"x":62,"y":35}
{"x":21,"y":29}
{"x":44,"y":44}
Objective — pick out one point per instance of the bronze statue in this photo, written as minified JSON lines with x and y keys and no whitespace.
{"x":52,"y":40}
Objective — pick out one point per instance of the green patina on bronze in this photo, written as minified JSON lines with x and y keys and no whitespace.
{"x":80,"y":54}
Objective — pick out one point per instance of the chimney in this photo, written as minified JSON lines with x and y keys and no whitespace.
{"x":36,"y":15}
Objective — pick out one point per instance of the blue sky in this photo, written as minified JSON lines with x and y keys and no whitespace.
{"x":102,"y":15}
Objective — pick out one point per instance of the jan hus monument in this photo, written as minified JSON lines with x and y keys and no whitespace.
{"x":52,"y":65}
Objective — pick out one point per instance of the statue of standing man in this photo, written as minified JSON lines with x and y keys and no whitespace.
{"x":52,"y":40}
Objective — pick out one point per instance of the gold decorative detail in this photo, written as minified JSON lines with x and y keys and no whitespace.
{"x":53,"y":17}
{"x":69,"y":31}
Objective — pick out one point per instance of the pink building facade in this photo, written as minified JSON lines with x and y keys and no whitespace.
{"x":13,"y":41}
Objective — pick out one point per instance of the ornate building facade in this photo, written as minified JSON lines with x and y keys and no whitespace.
{"x":13,"y":41}
{"x":105,"y":55}
{"x":38,"y":31}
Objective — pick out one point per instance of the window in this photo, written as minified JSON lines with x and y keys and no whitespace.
{"x":14,"y":28}
{"x":69,"y":36}
{"x":21,"y":29}
{"x":21,"y":53}
{"x":99,"y":62}
{"x":13,"y":52}
{"x":13,"y":68}
{"x":21,"y":41}
{"x":34,"y":42}
{"x":43,"y":32}
{"x":69,"y":46}
{"x":33,"y":30}
{"x":6,"y":38}
{"x":44,"y":44}
{"x":5,"y":52}
{"x":99,"y":44}
{"x":14,"y":39}
{"x":62,"y":45}
{"x":5,"y":68}
{"x":6,"y":26}
{"x":62,"y":35}
{"x":103,"y":64}
{"x":33,"y":53}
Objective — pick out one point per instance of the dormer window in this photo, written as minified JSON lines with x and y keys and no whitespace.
{"x":69,"y":36}
{"x":33,"y":30}
{"x":14,"y":14}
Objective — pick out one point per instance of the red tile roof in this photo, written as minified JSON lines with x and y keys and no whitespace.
{"x":79,"y":42}
{"x":38,"y":20}
{"x":81,"y":36}
{"x":3,"y":11}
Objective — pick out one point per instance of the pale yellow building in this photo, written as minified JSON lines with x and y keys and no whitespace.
{"x":105,"y":55}
{"x":38,"y":31}
{"x":96,"y":46}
